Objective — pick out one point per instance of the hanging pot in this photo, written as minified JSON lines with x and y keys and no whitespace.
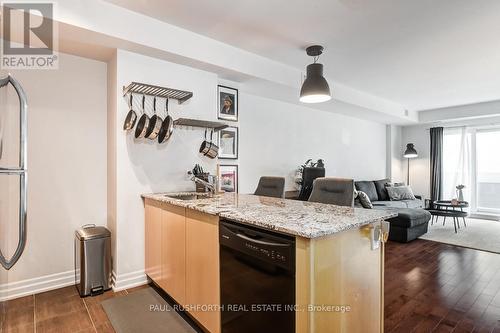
{"x":209,"y":149}
{"x":154,"y":124}
{"x":142,"y":125}
{"x":131,"y":115}
{"x":204,"y":145}
{"x":167,"y":126}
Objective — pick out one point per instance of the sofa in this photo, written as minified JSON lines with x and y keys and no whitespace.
{"x":412,"y":220}
{"x":377,"y":192}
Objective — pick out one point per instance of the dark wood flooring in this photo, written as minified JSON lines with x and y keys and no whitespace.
{"x":429,"y":287}
{"x":58,"y":311}
{"x":434,"y":287}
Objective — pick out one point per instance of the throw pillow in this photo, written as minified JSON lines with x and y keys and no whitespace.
{"x":368,"y":187}
{"x":395,"y":184}
{"x":400,"y":193}
{"x":365,"y":200}
{"x":381,"y":190}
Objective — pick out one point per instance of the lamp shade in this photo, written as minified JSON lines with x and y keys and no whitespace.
{"x":315,"y":89}
{"x":410,"y":151}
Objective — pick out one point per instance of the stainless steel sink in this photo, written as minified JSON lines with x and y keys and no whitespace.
{"x":187,"y":197}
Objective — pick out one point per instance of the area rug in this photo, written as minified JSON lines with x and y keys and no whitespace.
{"x":144,"y":311}
{"x":479,"y":234}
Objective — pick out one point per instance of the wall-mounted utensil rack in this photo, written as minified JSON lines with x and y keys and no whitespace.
{"x":147,"y":89}
{"x":215,"y":125}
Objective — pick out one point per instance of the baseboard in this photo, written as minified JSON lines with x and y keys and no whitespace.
{"x":37,"y":285}
{"x":129,"y":280}
{"x":484,"y":216}
{"x":12,"y":290}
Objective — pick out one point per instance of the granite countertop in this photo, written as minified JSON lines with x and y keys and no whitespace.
{"x":292,"y":217}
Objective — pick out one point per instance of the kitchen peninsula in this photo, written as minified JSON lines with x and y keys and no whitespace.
{"x":336,"y":260}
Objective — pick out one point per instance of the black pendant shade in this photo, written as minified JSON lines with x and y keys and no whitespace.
{"x":410,"y":151}
{"x":315,"y":88}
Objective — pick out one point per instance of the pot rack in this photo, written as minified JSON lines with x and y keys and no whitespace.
{"x":187,"y":122}
{"x":180,"y":95}
{"x":147,"y":89}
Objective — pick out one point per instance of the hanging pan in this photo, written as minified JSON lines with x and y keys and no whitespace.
{"x":204,"y":145}
{"x":154,"y":124}
{"x":167,"y":127}
{"x":209,"y":149}
{"x":142,"y":125}
{"x":131,"y":115}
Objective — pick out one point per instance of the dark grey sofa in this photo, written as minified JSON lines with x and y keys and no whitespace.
{"x":379,"y":197}
{"x":410,"y":224}
{"x":412,"y":220}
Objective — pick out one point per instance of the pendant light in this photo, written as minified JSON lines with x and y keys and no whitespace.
{"x":315,"y":89}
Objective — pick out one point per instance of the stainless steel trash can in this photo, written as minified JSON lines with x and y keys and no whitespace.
{"x":92,"y":260}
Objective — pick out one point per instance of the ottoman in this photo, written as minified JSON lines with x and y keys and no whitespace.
{"x":409,"y":224}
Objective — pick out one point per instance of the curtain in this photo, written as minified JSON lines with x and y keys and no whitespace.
{"x":456,"y":162}
{"x":436,"y":160}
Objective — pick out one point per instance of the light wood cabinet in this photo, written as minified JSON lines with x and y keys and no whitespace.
{"x":173,"y":252}
{"x":341,"y":269}
{"x":182,"y":257}
{"x":202,"y":267}
{"x":152,"y":234}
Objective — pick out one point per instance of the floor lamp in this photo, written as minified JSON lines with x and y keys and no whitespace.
{"x":410,"y":153}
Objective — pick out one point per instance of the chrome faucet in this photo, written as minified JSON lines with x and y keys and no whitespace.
{"x":210,"y":186}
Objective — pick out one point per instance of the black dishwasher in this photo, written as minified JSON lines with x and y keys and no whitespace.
{"x":257,"y":272}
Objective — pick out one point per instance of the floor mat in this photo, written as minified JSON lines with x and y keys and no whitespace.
{"x":144,"y":311}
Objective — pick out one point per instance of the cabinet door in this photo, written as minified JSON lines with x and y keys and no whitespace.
{"x":173,"y":252}
{"x":202,"y":270}
{"x":345,"y":271}
{"x":152,"y":234}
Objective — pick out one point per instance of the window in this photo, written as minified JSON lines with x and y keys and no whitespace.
{"x":456,"y":157}
{"x":488,"y":170}
{"x":471,"y":157}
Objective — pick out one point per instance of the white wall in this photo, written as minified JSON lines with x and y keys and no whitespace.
{"x":111,"y":150}
{"x":146,"y":166}
{"x":66,"y":167}
{"x":396,"y":168}
{"x":275,"y":138}
{"x":419,"y":167}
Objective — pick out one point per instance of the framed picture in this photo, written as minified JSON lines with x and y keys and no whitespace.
{"x":228,"y":178}
{"x":228,"y":143}
{"x":227,"y":103}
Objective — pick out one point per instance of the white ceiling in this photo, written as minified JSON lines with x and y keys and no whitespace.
{"x":422,"y":54}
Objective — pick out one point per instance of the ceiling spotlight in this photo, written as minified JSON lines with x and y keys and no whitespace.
{"x":315,"y":89}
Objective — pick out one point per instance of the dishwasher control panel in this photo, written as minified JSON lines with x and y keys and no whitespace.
{"x":272,"y":254}
{"x":263,"y":245}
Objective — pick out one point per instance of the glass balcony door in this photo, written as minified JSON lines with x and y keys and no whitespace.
{"x":471,"y":157}
{"x":487,"y":173}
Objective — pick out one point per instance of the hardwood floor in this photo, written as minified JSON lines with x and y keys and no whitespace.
{"x":429,"y":287}
{"x":434,"y":287}
{"x":60,"y":310}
